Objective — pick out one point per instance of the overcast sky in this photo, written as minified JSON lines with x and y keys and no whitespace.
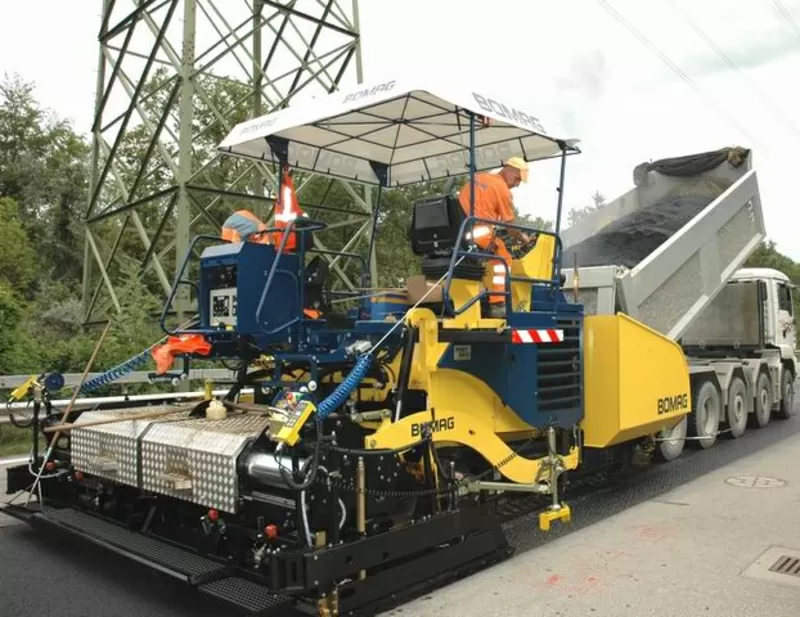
{"x":569,"y":57}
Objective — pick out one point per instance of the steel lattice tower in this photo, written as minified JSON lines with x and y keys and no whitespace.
{"x":174,"y":76}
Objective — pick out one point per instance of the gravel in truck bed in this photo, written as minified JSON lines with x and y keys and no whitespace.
{"x":628,"y":240}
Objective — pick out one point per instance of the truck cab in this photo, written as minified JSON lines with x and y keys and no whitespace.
{"x":779,"y":323}
{"x":752,"y":314}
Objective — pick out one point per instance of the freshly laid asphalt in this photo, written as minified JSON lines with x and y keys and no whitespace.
{"x":43,"y":576}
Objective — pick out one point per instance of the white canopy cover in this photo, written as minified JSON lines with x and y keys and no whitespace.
{"x":418,"y":134}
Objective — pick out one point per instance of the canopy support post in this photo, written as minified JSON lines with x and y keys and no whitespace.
{"x":560,"y":188}
{"x":382,"y":172}
{"x":471,"y":163}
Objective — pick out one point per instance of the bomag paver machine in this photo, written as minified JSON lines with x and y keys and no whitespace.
{"x":381,"y":442}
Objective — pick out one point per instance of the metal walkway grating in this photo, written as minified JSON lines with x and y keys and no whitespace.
{"x":206,"y":575}
{"x":246,"y":594}
{"x":170,"y":557}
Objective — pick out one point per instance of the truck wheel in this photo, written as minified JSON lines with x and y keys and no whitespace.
{"x":674,"y":441}
{"x":763,"y":403}
{"x":705,"y":415}
{"x":786,"y":409}
{"x":737,"y":407}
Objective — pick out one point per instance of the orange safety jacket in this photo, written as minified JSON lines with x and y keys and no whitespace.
{"x":244,"y":226}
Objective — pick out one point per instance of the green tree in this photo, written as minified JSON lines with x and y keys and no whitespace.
{"x":44,"y":168}
{"x":577,"y":214}
{"x":18,"y":258}
{"x":768,"y":256}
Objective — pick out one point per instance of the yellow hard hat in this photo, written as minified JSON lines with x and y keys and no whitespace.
{"x":519,"y":163}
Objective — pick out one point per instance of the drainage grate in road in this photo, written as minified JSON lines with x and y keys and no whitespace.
{"x":778,"y":564}
{"x":786,"y":564}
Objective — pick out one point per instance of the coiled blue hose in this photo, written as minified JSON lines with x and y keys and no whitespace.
{"x":115,"y":373}
{"x":334,"y":400}
{"x":339,"y":395}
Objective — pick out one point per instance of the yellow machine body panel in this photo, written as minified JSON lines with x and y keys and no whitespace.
{"x":483,"y":424}
{"x":538,"y":262}
{"x":535,"y":264}
{"x":636,"y":381}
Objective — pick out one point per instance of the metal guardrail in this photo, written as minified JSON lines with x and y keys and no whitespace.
{"x":118,"y":402}
{"x":9,"y":382}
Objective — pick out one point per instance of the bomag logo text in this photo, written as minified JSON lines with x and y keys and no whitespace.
{"x":441,"y":424}
{"x":493,"y":106}
{"x":368,"y":92}
{"x":668,"y":404}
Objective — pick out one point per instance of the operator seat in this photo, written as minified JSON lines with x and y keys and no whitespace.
{"x":433,"y":231}
{"x":317,"y":295}
{"x":316,"y":285}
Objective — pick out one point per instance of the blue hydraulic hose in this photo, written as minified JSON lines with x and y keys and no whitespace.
{"x":339,"y":395}
{"x":334,"y":400}
{"x":117,"y":372}
{"x":123,"y":369}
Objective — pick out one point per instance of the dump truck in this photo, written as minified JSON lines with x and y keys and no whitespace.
{"x":670,"y":253}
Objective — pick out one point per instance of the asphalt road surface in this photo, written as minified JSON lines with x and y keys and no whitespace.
{"x":43,"y":576}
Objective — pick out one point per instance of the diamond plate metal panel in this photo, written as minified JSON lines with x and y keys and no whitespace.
{"x":195,"y":460}
{"x":111,"y":450}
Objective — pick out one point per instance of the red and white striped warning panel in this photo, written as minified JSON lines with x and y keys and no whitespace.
{"x":537,"y":336}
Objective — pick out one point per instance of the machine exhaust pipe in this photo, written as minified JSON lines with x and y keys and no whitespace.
{"x":265,"y":467}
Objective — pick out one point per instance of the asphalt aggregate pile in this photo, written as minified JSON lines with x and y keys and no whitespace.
{"x":628,"y":240}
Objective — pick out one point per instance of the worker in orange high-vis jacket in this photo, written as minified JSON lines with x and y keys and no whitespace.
{"x":287,"y":209}
{"x":493,"y":201}
{"x":244,"y":226}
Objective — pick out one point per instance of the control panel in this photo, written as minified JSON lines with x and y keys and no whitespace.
{"x":222,"y":295}
{"x":295,"y":413}
{"x":223,"y":303}
{"x":222,"y":276}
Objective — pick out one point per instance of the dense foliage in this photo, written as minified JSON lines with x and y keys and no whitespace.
{"x":44,"y":179}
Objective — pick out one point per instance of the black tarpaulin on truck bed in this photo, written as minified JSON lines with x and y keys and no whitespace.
{"x":692,"y":164}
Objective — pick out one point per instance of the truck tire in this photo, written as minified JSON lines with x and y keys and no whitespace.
{"x":786,"y":409}
{"x":763,"y":402}
{"x":674,"y":441}
{"x":706,"y":414}
{"x":737,"y":408}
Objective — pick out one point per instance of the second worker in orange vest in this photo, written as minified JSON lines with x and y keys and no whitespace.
{"x":244,"y":226}
{"x":287,"y":209}
{"x":493,"y":201}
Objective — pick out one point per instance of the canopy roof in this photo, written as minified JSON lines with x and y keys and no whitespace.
{"x":408,"y":133}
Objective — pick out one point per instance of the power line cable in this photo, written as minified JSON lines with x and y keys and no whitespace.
{"x":677,"y":70}
{"x":787,"y":16}
{"x":684,"y":16}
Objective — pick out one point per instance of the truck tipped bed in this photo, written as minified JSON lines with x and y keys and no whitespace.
{"x":663,"y":250}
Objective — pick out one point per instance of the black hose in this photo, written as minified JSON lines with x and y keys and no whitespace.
{"x":314,"y":462}
{"x":381,"y":452}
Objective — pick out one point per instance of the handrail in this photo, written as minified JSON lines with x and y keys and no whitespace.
{"x":470,"y":221}
{"x":180,"y":280}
